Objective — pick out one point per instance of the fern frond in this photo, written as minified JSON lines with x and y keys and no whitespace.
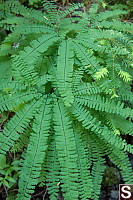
{"x":99,"y":103}
{"x":35,"y":153}
{"x":22,"y":72}
{"x":26,"y":29}
{"x":64,"y":71}
{"x":97,"y":173}
{"x":66,"y":82}
{"x":52,"y":166}
{"x":125,"y":166}
{"x":123,"y":125}
{"x":22,"y":141}
{"x":83,"y":163}
{"x":97,"y":148}
{"x":87,"y":88}
{"x":16,"y":126}
{"x":117,"y":25}
{"x":110,"y":14}
{"x":5,"y":70}
{"x":90,"y":123}
{"x":15,"y":100}
{"x":66,"y":150}
{"x":85,"y":58}
{"x":37,"y":47}
{"x":28,"y":13}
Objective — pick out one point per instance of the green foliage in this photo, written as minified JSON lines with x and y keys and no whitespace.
{"x":66,"y":74}
{"x":7,"y":176}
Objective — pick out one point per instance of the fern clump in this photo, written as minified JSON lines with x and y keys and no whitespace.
{"x":66,"y":74}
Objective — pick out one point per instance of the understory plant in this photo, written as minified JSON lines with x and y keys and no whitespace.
{"x":65,"y":77}
{"x":7,"y":175}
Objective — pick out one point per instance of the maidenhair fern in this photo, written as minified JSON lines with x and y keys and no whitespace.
{"x":66,"y":74}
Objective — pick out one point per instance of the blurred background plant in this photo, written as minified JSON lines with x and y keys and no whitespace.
{"x":8,"y":174}
{"x":105,"y":4}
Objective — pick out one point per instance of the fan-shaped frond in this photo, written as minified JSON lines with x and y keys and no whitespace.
{"x":66,"y":83}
